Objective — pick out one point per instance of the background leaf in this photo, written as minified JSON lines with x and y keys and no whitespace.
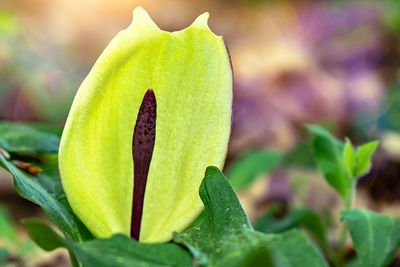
{"x":364,"y":158}
{"x":37,"y":144}
{"x":349,"y":156}
{"x":301,"y":217}
{"x":43,"y":235}
{"x":250,"y":166}
{"x":7,"y":230}
{"x":300,"y":155}
{"x":375,"y":236}
{"x":3,"y":255}
{"x":17,"y":137}
{"x":328,"y":154}
{"x":293,"y":248}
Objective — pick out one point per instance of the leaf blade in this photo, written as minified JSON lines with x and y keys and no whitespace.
{"x":328,"y":154}
{"x":226,"y":238}
{"x":375,"y":236}
{"x":364,"y":158}
{"x":21,"y":138}
{"x":57,"y":212}
{"x":247,"y":168}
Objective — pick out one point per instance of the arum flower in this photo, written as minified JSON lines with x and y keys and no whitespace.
{"x":152,"y":114}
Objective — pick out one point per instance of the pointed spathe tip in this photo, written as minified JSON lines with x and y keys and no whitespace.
{"x":140,"y":12}
{"x":202,"y":23}
{"x":141,"y":17}
{"x":202,"y":20}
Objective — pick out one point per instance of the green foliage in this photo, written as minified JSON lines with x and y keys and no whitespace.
{"x":349,"y":156}
{"x":222,"y":235}
{"x":8,"y":235}
{"x":301,"y":217}
{"x":23,"y":138}
{"x":118,"y":250}
{"x":250,"y":166}
{"x":3,"y":255}
{"x":358,"y":162}
{"x":301,"y":155}
{"x":375,"y":236}
{"x":13,"y":245}
{"x":364,"y":158}
{"x":58,"y":211}
{"x":45,"y":189}
{"x":7,"y":229}
{"x":43,"y":235}
{"x":391,"y":14}
{"x":293,"y":248}
{"x":329,"y":157}
{"x":341,"y":164}
{"x":49,"y":177}
{"x":226,"y":238}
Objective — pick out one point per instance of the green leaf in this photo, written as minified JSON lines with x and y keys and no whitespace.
{"x":27,"y":138}
{"x":46,"y":238}
{"x":120,"y":250}
{"x":349,"y":156}
{"x":322,"y":132}
{"x":293,"y":248}
{"x":247,"y":168}
{"x":226,"y":238}
{"x":49,"y":177}
{"x":8,"y":232}
{"x":364,"y":158}
{"x":358,"y":162}
{"x":301,"y":155}
{"x":3,"y":255}
{"x":301,"y":217}
{"x":222,"y":207}
{"x":328,"y":154}
{"x":59,"y":212}
{"x":375,"y":236}
{"x":391,"y":15}
{"x":43,"y":235}
{"x":117,"y":251}
{"x":190,"y":74}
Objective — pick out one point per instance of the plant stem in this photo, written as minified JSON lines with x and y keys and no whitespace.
{"x":348,"y":204}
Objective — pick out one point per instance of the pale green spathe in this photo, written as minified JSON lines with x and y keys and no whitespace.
{"x":190,"y":74}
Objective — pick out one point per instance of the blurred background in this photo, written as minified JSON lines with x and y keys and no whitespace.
{"x":335,"y":63}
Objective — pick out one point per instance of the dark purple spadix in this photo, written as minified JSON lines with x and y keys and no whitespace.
{"x":144,"y":137}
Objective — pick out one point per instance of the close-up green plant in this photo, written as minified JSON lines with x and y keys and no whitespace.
{"x":141,"y":173}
